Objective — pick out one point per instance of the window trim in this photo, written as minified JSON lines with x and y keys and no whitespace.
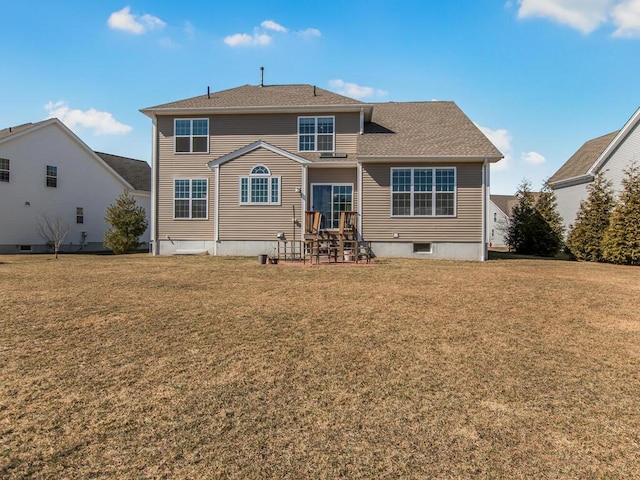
{"x":6,"y":171}
{"x":315,"y":134}
{"x":270,"y":176}
{"x":434,"y":192}
{"x":48,"y":176}
{"x":206,"y":199}
{"x":190,"y":136}
{"x":333,"y":184}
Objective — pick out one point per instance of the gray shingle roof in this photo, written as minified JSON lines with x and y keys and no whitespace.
{"x":267,"y":96}
{"x":505,"y":202}
{"x":438,"y":129}
{"x":136,"y":172}
{"x":583,"y":159}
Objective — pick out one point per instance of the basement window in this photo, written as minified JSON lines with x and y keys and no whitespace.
{"x":422,"y":248}
{"x":25,"y":248}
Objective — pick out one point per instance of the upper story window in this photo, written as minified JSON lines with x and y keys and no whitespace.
{"x":4,"y":169}
{"x":51,"y":176}
{"x":192,"y":135}
{"x":190,"y":198}
{"x":79,"y":215}
{"x":423,"y":192}
{"x":316,"y":134}
{"x":260,"y":187}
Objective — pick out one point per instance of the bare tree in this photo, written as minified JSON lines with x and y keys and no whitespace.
{"x":53,"y":230}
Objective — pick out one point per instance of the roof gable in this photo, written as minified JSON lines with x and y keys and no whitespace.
{"x":12,"y":133}
{"x":593,"y":154}
{"x":254,"y":146}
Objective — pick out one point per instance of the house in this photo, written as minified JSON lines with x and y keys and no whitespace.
{"x":611,"y":154}
{"x":233,"y":168}
{"x":500,"y":210}
{"x":46,"y":170}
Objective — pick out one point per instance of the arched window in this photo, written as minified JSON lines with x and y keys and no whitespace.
{"x":260,"y":187}
{"x":260,"y":170}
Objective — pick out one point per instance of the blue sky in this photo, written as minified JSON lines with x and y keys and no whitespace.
{"x":540,"y":77}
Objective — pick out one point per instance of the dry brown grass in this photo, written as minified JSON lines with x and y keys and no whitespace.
{"x":204,"y":367}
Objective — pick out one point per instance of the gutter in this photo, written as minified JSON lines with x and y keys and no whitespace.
{"x":570,"y":182}
{"x":364,"y":109}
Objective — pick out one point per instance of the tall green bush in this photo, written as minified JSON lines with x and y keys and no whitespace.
{"x":128,"y":221}
{"x":529,"y":233}
{"x":586,"y":233}
{"x":621,"y":240}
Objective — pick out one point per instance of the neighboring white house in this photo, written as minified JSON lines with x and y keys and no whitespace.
{"x":610,"y":154}
{"x":45,"y":169}
{"x":499,"y":211}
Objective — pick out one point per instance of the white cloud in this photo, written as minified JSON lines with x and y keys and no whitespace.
{"x":501,"y":138}
{"x":246,"y":40}
{"x":189,"y":30}
{"x":101,"y":123}
{"x":532,"y":158}
{"x":626,"y":17}
{"x":136,"y":24}
{"x":354,"y":90}
{"x":260,"y":38}
{"x":309,"y":33}
{"x":583,"y":15}
{"x":271,"y":25}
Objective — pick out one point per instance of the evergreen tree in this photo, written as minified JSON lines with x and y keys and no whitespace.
{"x":621,"y":241}
{"x":529,"y":233}
{"x":585,"y":235}
{"x":547,"y":207}
{"x":128,"y":222}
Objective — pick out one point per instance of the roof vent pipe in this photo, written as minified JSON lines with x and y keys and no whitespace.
{"x":262,"y":76}
{"x":314,"y":90}
{"x":208,"y":92}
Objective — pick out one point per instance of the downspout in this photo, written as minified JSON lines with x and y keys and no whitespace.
{"x":361,"y":121}
{"x":216,"y":209}
{"x":303,"y":202}
{"x":485,"y":189}
{"x":154,"y":185}
{"x":359,"y":183}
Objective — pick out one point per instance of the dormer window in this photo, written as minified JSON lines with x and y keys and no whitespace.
{"x":316,"y":134}
{"x":260,"y":187}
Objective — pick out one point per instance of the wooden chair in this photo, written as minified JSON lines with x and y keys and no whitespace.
{"x":311,"y":242}
{"x":348,"y":236}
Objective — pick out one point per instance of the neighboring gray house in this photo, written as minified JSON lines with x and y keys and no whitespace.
{"x":230,"y":168}
{"x":611,"y":154}
{"x":500,"y":209}
{"x":46,"y":169}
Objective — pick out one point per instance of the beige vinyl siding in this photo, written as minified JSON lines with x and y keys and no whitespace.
{"x":170,"y":167}
{"x":231,"y":132}
{"x":379,"y":225}
{"x":333,"y":176}
{"x":258,"y":222}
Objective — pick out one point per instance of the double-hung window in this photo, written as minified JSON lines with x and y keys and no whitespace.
{"x":51,"y":176}
{"x":79,"y":215}
{"x":316,"y":134}
{"x":4,"y":169}
{"x":260,"y":187}
{"x":423,"y":192}
{"x":190,"y":198}
{"x":192,"y":135}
